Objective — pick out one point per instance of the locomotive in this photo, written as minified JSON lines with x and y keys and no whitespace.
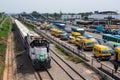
{"x":36,"y":46}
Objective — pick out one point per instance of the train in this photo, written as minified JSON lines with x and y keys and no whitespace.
{"x":36,"y":47}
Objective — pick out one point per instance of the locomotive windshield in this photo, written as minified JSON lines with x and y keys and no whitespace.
{"x":39,"y":43}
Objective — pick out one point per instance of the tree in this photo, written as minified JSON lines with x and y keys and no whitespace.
{"x":24,"y":12}
{"x":35,"y":12}
{"x":56,"y":15}
{"x":46,"y":14}
{"x":0,"y":14}
{"x":60,"y":13}
{"x":85,"y":17}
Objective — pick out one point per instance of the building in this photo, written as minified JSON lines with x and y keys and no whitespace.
{"x":106,"y":15}
{"x":70,"y":17}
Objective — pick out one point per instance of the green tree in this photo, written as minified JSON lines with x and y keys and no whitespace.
{"x":24,"y":12}
{"x":35,"y":12}
{"x":0,"y":15}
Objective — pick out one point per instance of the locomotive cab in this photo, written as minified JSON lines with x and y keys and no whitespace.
{"x":39,"y":53}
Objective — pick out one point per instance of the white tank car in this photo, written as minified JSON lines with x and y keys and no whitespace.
{"x":37,"y":47}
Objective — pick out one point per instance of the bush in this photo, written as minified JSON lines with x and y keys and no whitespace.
{"x":75,"y":59}
{"x":5,"y":28}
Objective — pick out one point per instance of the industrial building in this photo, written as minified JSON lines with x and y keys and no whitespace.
{"x":70,"y":17}
{"x":105,"y":15}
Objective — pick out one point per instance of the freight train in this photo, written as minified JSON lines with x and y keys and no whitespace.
{"x":36,"y":46}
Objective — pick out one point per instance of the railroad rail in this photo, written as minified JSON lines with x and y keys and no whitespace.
{"x":43,"y":75}
{"x":66,"y":65}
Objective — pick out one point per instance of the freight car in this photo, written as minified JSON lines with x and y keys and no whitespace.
{"x":36,"y":46}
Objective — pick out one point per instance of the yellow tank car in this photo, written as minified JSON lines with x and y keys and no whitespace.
{"x":58,"y":33}
{"x":53,"y":31}
{"x":71,"y":39}
{"x":77,"y":41}
{"x":81,"y":37}
{"x":47,"y":26}
{"x":75,"y":34}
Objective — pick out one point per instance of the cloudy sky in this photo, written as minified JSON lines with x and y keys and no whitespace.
{"x":51,"y":6}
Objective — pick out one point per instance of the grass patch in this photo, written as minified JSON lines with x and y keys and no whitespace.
{"x":2,"y":66}
{"x":75,"y":59}
{"x":3,"y":34}
{"x":2,"y":47}
{"x":70,"y":58}
{"x":1,"y":18}
{"x":5,"y":28}
{"x":60,"y":51}
{"x":31,"y":28}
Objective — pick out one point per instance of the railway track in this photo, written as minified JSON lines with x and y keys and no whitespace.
{"x":46,"y":75}
{"x":80,"y":77}
{"x":43,"y":75}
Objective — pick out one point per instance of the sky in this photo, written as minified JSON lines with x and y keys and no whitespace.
{"x":51,"y":6}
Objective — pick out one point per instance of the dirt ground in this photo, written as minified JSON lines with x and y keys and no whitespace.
{"x":8,"y":72}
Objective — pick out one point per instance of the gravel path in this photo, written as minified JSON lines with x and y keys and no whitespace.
{"x":8,"y":72}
